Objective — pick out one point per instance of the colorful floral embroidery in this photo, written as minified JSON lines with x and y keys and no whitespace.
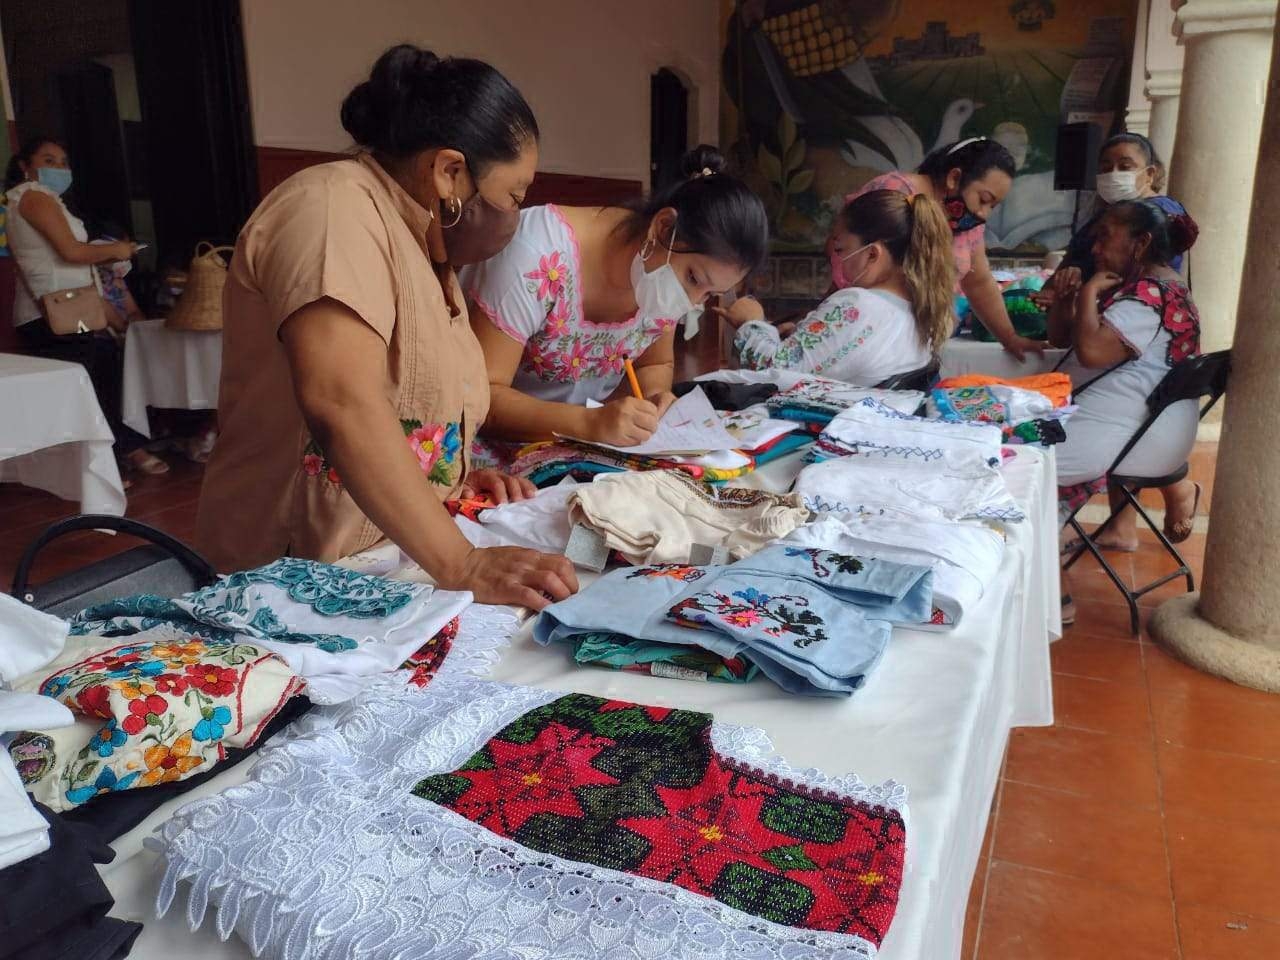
{"x":1178,"y":315}
{"x":33,"y":755}
{"x":566,"y":349}
{"x":673,"y":571}
{"x":167,"y":707}
{"x":426,"y":662}
{"x":743,"y":609}
{"x":437,"y":447}
{"x":640,"y":790}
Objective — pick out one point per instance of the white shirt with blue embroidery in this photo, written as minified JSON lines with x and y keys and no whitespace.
{"x":856,"y":335}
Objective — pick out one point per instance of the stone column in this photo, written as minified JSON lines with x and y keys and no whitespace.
{"x":1232,"y":628}
{"x":1137,"y":116}
{"x":1163,"y":79}
{"x":1228,"y":53}
{"x":1164,"y":89}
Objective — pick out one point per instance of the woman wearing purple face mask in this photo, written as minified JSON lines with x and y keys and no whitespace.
{"x":352,"y":385}
{"x":893,"y":313}
{"x":968,"y":179}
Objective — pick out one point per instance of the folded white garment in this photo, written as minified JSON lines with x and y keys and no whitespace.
{"x":875,"y":486}
{"x":28,"y":638}
{"x":539,"y":523}
{"x":874,"y":428}
{"x":31,"y":711}
{"x":23,"y":832}
{"x":964,"y":556}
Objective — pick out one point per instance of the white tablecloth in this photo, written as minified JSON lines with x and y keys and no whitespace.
{"x":170,"y":369}
{"x":961,"y":355}
{"x":935,"y":716}
{"x":53,"y":435}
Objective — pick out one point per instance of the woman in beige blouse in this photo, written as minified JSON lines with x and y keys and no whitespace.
{"x":352,"y":385}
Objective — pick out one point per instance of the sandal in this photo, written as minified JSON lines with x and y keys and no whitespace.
{"x":148,"y":463}
{"x":1068,"y":610}
{"x":1181,"y":530}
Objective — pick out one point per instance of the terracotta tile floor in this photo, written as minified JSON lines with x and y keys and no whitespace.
{"x":1146,"y":822}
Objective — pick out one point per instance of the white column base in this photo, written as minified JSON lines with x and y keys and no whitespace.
{"x":1177,"y":626}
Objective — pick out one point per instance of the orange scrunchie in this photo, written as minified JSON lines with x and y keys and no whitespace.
{"x":1055,"y":386}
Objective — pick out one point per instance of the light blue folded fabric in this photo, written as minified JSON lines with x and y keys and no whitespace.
{"x":814,"y":622}
{"x":823,"y":617}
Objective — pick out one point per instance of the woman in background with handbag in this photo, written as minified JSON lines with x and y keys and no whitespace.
{"x":58,"y":309}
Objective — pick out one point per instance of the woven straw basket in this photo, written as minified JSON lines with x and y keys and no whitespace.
{"x":200,"y":306}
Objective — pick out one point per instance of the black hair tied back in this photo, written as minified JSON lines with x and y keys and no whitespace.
{"x":716,"y":213}
{"x":415,"y":101}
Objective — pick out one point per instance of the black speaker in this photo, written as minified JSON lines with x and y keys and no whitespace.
{"x":1075,"y":161}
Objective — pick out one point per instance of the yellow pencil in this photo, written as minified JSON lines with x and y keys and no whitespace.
{"x":631,"y":375}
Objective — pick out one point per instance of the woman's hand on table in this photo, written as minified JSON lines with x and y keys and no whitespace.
{"x":499,"y":487}
{"x":1020,"y":346}
{"x":623,"y":422}
{"x":744,"y":310}
{"x":514,"y":575}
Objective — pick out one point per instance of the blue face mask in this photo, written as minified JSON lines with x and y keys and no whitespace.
{"x":55,"y":178}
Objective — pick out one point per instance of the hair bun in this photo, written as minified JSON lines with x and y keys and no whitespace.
{"x":1183,"y":232}
{"x":702,"y":160}
{"x":370,"y":111}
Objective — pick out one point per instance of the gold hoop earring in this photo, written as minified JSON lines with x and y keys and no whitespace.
{"x":647,"y":248}
{"x":455,"y":210}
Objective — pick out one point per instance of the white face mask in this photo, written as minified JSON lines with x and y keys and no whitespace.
{"x":1118,"y":186}
{"x":659,"y":294}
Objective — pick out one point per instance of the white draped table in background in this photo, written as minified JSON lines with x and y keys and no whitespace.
{"x":934,"y":716}
{"x":53,"y":435}
{"x":962,"y":355}
{"x":169,"y":369}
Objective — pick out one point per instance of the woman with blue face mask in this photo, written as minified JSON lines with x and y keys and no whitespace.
{"x":50,"y":247}
{"x":580,"y":290}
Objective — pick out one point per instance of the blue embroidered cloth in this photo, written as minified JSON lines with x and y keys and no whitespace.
{"x":813,"y":621}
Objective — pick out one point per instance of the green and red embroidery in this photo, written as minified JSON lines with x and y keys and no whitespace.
{"x":641,"y":790}
{"x":426,"y":661}
{"x":750,"y":609}
{"x":437,"y":446}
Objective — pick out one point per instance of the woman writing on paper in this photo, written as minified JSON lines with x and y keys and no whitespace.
{"x":581,"y":288}
{"x":351,"y":382}
{"x":893,"y":315}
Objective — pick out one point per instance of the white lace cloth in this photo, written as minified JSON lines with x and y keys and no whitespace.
{"x":325,"y":853}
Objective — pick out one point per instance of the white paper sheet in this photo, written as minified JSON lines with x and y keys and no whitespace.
{"x":690,"y":425}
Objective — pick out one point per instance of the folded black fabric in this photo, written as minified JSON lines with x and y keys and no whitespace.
{"x":729,"y":396}
{"x":53,"y":906}
{"x":111,"y":815}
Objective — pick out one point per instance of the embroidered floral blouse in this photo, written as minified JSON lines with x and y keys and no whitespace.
{"x":349,"y":232}
{"x":532,"y":292}
{"x":856,"y":335}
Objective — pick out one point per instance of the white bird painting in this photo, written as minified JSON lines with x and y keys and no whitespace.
{"x":907,"y":152}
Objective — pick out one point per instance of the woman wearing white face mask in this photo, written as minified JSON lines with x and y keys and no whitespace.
{"x":893,"y":316}
{"x":1128,"y":169}
{"x":582,"y":289}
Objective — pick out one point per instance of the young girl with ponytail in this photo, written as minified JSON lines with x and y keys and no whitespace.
{"x":893,"y":314}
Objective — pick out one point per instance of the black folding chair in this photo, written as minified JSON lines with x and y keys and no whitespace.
{"x":1193,"y":379}
{"x":164,"y":567}
{"x":921,"y":379}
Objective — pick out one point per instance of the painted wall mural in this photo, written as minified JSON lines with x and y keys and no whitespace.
{"x":821,"y":95}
